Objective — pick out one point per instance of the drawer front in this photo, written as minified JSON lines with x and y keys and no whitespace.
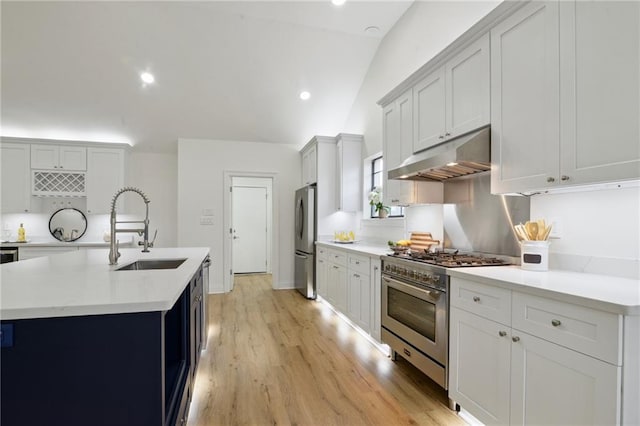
{"x":25,"y":253}
{"x":322,"y":252}
{"x":338,"y":257}
{"x":359,"y":263}
{"x":490,"y":302}
{"x":586,"y":330}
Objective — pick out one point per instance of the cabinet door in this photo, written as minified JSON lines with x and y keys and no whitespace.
{"x":321,"y":278}
{"x":375,"y":298}
{"x":44,"y":156}
{"x":105,"y":176}
{"x":600,"y":91}
{"x":479,"y":367}
{"x":332,"y":283}
{"x":397,"y":124}
{"x":524,"y":99}
{"x":349,"y":175}
{"x":429,"y":111}
{"x":312,"y":172}
{"x":341,"y":288}
{"x":555,"y":385}
{"x":305,"y":168}
{"x":72,"y":158}
{"x":359,"y":300}
{"x":467,"y":89}
{"x":16,"y":178}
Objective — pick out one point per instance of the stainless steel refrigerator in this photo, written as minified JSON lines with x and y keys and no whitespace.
{"x":305,"y":237}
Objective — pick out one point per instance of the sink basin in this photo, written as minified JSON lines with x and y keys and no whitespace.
{"x":141,"y":265}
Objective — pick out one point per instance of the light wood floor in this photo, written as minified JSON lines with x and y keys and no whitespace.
{"x":274,"y":357}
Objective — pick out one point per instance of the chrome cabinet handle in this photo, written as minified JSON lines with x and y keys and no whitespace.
{"x":357,"y":262}
{"x":551,"y":179}
{"x":555,"y":323}
{"x":476,"y":299}
{"x":441,"y":137}
{"x":335,"y":267}
{"x":502,"y":333}
{"x":356,"y":275}
{"x":565,"y":177}
{"x":515,"y":338}
{"x":447,"y":134}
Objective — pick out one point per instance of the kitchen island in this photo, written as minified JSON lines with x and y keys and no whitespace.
{"x":84,"y":343}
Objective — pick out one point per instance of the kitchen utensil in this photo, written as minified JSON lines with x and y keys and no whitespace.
{"x":546,"y":233}
{"x":532,"y":230}
{"x":422,"y":241}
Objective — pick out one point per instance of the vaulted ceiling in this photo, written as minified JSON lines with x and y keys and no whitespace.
{"x":224,"y":70}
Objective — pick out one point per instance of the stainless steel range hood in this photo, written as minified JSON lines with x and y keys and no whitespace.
{"x":465,"y":155}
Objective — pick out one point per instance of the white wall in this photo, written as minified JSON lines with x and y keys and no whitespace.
{"x":423,"y":31}
{"x":157,"y":175}
{"x":201,"y":167}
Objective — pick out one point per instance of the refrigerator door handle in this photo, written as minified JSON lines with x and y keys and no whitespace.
{"x":301,"y":256}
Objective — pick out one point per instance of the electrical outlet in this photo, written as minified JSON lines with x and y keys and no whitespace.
{"x":206,"y":220}
{"x":207,"y":212}
{"x":556,"y":230}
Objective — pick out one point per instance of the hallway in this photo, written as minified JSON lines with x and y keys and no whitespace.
{"x":274,"y":357}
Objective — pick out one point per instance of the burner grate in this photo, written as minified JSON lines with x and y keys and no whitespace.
{"x":451,"y":260}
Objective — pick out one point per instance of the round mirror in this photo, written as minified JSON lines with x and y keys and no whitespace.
{"x":67,"y":224}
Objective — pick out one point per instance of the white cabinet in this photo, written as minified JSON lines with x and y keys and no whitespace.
{"x":309,"y":165}
{"x":397,"y":146}
{"x":16,"y":178}
{"x":349,"y":172}
{"x":599,"y":91}
{"x":58,"y":157}
{"x":578,"y":117}
{"x":429,"y":108}
{"x":376,"y":294}
{"x":524,"y":99}
{"x":522,"y":359}
{"x":350,"y":282}
{"x":321,"y":272}
{"x":454,"y":99}
{"x":360,"y":288}
{"x":105,"y":176}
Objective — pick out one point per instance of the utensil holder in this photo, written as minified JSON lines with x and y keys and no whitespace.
{"x":534,"y":255}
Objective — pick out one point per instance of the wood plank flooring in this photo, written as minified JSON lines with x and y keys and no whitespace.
{"x":274,"y":357}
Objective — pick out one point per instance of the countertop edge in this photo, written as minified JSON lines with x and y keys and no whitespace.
{"x":368,"y":249}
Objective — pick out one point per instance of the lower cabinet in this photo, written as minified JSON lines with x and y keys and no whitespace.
{"x":504,"y":375}
{"x":350,"y":282}
{"x":25,"y":253}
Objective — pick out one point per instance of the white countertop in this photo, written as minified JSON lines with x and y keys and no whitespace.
{"x":41,"y":242}
{"x":359,"y":247}
{"x":83,"y":283}
{"x":607,"y":293}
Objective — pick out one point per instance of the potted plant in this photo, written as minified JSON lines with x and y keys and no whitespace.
{"x":375,"y":200}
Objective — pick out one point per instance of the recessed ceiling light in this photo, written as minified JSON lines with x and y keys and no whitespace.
{"x":338,"y":2}
{"x":373,"y":30}
{"x":305,"y":95}
{"x":147,"y":77}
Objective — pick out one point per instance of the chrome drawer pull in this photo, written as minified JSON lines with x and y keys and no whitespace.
{"x":476,"y":299}
{"x":502,"y":333}
{"x":515,"y":338}
{"x":555,"y":323}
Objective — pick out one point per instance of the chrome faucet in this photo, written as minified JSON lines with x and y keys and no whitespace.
{"x":114,"y":254}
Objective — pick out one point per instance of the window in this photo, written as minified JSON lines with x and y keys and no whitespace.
{"x":377,"y":181}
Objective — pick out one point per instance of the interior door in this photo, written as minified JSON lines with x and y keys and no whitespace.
{"x":249,"y":228}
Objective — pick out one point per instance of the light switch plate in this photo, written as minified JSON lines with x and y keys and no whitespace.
{"x":206,"y":220}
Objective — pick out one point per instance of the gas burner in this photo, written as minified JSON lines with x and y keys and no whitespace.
{"x":451,"y":259}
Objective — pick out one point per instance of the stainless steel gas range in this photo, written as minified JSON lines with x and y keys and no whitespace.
{"x":415,"y":305}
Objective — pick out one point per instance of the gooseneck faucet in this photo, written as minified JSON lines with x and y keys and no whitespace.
{"x":114,"y":254}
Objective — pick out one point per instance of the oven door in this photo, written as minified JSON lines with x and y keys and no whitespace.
{"x":8,"y":254}
{"x":416,"y":315}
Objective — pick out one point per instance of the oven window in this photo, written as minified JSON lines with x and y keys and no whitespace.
{"x":415,"y":313}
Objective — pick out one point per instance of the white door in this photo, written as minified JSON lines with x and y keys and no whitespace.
{"x":249,"y":226}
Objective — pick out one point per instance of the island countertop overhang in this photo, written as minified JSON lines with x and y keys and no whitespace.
{"x":83,"y":283}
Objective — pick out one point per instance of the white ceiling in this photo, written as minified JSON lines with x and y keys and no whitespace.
{"x":224,"y":70}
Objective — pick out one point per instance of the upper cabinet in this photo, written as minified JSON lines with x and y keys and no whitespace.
{"x":570,"y":122}
{"x":58,"y":157}
{"x":310,"y":165}
{"x":105,"y":176}
{"x":349,"y":172}
{"x":15,"y":178}
{"x":454,"y":99}
{"x":397,"y":128}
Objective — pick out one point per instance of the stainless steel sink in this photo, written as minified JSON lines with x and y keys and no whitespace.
{"x":141,"y":265}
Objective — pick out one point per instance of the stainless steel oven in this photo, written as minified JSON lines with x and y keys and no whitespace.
{"x":415,"y":321}
{"x":8,"y":254}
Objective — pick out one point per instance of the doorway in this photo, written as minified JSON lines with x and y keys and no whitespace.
{"x":251,"y":227}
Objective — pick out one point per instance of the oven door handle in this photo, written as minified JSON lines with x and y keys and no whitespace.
{"x":433,"y":295}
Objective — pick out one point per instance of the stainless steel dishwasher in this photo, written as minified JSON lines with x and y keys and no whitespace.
{"x":205,"y":302}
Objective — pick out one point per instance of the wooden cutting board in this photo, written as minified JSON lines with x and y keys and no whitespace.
{"x":422,"y":241}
